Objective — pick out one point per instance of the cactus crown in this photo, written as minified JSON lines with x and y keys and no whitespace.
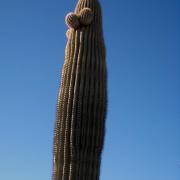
{"x":87,"y":14}
{"x":85,"y":17}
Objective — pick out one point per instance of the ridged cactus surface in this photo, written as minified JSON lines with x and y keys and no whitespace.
{"x":81,"y":108}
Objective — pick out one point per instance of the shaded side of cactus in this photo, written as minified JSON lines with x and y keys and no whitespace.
{"x":81,"y":108}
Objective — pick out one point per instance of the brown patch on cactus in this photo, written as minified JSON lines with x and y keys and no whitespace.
{"x":68,"y":33}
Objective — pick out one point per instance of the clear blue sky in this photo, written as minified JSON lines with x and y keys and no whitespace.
{"x":143,"y":56}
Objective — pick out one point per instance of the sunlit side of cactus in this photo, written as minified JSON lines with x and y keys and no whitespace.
{"x":81,"y":108}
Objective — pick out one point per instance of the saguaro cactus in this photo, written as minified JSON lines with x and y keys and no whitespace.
{"x":81,"y":108}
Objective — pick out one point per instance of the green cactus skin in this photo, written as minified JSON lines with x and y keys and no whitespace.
{"x":82,"y":101}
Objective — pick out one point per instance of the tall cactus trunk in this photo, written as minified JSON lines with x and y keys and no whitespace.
{"x":81,"y":108}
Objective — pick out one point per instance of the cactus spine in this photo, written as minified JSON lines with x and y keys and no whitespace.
{"x":81,"y":108}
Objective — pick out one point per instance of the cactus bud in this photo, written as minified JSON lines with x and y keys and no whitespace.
{"x":72,"y":20}
{"x":86,"y":16}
